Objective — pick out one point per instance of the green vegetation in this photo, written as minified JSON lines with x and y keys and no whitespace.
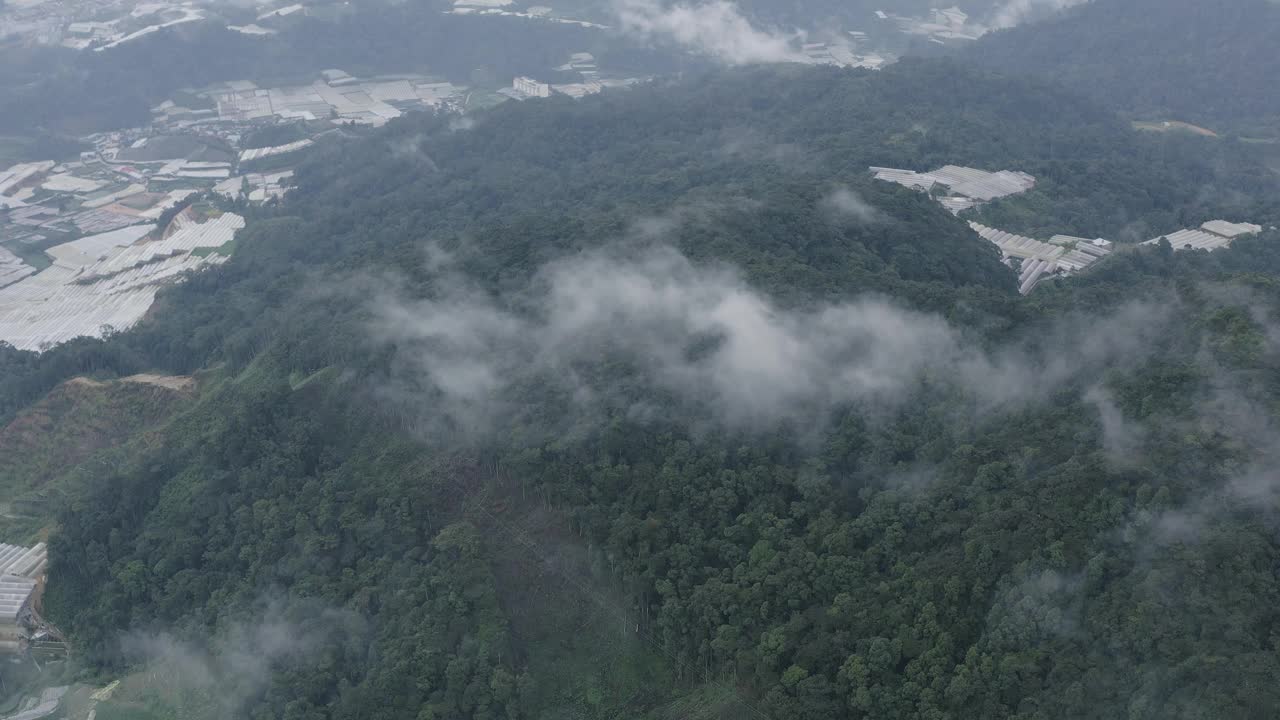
{"x":1207,"y":63}
{"x":41,"y":146}
{"x":272,"y":135}
{"x":33,"y":256}
{"x":66,"y":433}
{"x":224,"y":249}
{"x":1064,"y":514}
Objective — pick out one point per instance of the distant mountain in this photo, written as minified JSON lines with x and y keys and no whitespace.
{"x":1213,"y":63}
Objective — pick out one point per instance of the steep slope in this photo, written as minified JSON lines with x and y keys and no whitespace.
{"x":1208,"y":63}
{"x":70,"y":425}
{"x":78,"y":418}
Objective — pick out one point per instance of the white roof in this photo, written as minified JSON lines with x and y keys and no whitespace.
{"x":251,"y":29}
{"x":211,"y":173}
{"x":958,"y":203}
{"x":69,"y":300}
{"x":1192,"y":240}
{"x":1231,"y":230}
{"x":67,"y":182}
{"x":287,"y":10}
{"x":23,"y":562}
{"x":257,"y":153}
{"x":979,"y":185}
{"x":15,"y":593}
{"x":1038,"y":258}
{"x":906,"y":178}
{"x":983,"y":185}
{"x":19,"y":173}
{"x":88,"y":250}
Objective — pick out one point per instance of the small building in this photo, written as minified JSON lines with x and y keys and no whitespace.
{"x":532,"y":88}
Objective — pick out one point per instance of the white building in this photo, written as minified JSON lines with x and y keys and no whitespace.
{"x":966,"y":187}
{"x":21,"y":582}
{"x":1210,"y":236}
{"x":530,"y":87}
{"x":1231,"y":230}
{"x":1062,"y":255}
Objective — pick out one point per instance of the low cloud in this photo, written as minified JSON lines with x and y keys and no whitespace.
{"x":847,"y":205}
{"x":1044,"y":605}
{"x":717,"y":29}
{"x":718,"y":350}
{"x":1240,"y":433}
{"x":412,"y":148}
{"x":230,"y":671}
{"x":691,"y":213}
{"x":752,"y":145}
{"x":1017,"y":12}
{"x":461,"y":123}
{"x":1121,"y":439}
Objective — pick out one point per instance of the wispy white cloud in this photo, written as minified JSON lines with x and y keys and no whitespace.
{"x":717,"y":29}
{"x":226,"y":672}
{"x":722,"y":351}
{"x":848,"y":206}
{"x":1016,"y":12}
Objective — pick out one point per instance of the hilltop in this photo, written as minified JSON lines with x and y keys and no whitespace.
{"x":1212,"y":64}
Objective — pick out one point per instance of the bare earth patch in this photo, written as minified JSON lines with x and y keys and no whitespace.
{"x":172,"y":382}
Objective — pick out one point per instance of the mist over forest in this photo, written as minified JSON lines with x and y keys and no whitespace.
{"x":669,"y":360}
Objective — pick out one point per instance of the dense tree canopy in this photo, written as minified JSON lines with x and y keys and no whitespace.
{"x":1210,"y":63}
{"x":1080,"y":529}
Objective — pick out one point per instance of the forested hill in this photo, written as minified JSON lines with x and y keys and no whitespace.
{"x":1213,"y":63}
{"x":654,"y":405}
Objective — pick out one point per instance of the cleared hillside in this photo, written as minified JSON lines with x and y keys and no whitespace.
{"x":69,"y":426}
